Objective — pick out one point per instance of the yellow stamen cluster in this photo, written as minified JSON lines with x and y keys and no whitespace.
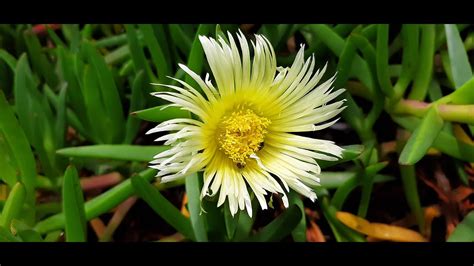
{"x":242,"y":134}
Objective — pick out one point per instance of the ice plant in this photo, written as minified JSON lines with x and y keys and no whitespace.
{"x":246,"y":129}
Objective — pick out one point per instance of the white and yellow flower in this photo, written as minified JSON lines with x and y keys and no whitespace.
{"x":244,"y":134}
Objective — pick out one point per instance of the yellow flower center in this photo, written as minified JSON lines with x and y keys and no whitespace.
{"x":241,"y":134}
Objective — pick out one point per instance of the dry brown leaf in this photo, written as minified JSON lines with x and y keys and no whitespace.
{"x":41,"y":29}
{"x":470,"y":171}
{"x":291,"y":44}
{"x":247,"y":28}
{"x":119,"y":214}
{"x":172,"y":238}
{"x":98,"y":226}
{"x":314,"y":234}
{"x":466,"y":207}
{"x":441,"y":193}
{"x":461,"y":193}
{"x":388,"y":147}
{"x":311,"y":214}
{"x":442,"y":181}
{"x":101,"y":181}
{"x":373,"y":239}
{"x":454,"y":202}
{"x":71,"y":134}
{"x":379,"y":230}
{"x":450,"y":229}
{"x":449,"y":207}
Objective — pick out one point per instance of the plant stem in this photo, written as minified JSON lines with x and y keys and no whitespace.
{"x":103,"y":203}
{"x":454,"y":113}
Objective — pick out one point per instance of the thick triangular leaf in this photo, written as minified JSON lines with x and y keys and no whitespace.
{"x":73,"y":207}
{"x":460,"y":66}
{"x":349,"y":153}
{"x":198,"y":221}
{"x":444,"y":142}
{"x":98,"y":205}
{"x":161,"y":113}
{"x":280,"y":227}
{"x":464,"y":231}
{"x":162,"y":207}
{"x":114,"y":152}
{"x":422,"y":138}
{"x":13,"y":205}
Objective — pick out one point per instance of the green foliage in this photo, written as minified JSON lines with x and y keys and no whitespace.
{"x":282,"y":226}
{"x":422,"y":138}
{"x":114,"y":152}
{"x":13,"y":206}
{"x":82,"y":93}
{"x":163,"y":207}
{"x":73,"y":207}
{"x":464,"y":232}
{"x":198,"y":221}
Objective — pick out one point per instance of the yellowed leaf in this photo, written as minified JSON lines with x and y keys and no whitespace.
{"x":430,"y":212}
{"x":395,"y":233}
{"x":461,"y":134}
{"x":379,"y":230}
{"x":355,"y":222}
